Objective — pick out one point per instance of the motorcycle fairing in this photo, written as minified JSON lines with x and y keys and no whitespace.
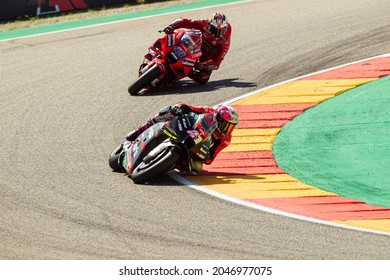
{"x":191,"y":131}
{"x":179,"y":51}
{"x":144,"y":143}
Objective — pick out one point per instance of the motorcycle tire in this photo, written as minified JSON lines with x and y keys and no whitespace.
{"x":161,"y":164}
{"x":144,"y":80}
{"x":115,"y":159}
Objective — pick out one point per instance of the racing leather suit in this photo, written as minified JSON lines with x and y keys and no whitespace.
{"x":218,"y":141}
{"x":213,"y":49}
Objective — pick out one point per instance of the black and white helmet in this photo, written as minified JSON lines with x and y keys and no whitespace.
{"x":218,"y":25}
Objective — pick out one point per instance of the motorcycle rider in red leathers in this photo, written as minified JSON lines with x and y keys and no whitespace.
{"x":225,"y":116}
{"x":216,"y":33}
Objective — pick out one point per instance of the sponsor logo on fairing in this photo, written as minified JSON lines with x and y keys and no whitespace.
{"x":188,"y":63}
{"x":185,"y":123}
{"x":179,"y":125}
{"x":179,"y":51}
{"x":169,"y":40}
{"x":196,"y":54}
{"x":135,"y":150}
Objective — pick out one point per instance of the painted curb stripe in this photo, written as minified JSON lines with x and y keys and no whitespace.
{"x":302,"y":92}
{"x":374,"y":68}
{"x":247,"y":171}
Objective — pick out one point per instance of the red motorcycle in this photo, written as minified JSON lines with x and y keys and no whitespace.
{"x":169,"y":59}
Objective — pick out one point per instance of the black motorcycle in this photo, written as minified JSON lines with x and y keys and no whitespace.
{"x":180,"y":143}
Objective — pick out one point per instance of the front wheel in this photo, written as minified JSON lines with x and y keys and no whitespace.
{"x":144,"y":80}
{"x":161,"y":164}
{"x":115,"y":159}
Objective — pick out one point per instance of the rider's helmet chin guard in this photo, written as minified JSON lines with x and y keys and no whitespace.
{"x":217,"y":25}
{"x":227,"y":119}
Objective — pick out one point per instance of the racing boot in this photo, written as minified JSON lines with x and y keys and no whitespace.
{"x":137,"y":132}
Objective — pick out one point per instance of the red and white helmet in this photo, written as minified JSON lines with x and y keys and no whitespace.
{"x":218,"y":25}
{"x":227,"y":118}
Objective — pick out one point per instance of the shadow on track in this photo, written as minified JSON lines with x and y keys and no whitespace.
{"x":188,"y":86}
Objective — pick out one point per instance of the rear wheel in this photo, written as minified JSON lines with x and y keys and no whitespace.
{"x":161,"y":164}
{"x":144,"y":80}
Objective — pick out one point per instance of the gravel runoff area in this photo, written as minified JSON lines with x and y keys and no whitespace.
{"x":84,"y":14}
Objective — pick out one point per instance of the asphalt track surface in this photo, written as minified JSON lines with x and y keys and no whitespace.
{"x":65,"y":106}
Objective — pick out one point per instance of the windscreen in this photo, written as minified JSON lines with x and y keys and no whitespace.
{"x":191,"y":40}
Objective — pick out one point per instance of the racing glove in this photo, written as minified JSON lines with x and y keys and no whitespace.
{"x":169,"y":29}
{"x":176,"y":110}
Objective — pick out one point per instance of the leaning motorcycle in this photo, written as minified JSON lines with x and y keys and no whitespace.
{"x":169,"y":59}
{"x":180,"y":143}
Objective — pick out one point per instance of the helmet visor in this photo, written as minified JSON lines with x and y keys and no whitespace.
{"x":225,"y":127}
{"x":217,"y":31}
